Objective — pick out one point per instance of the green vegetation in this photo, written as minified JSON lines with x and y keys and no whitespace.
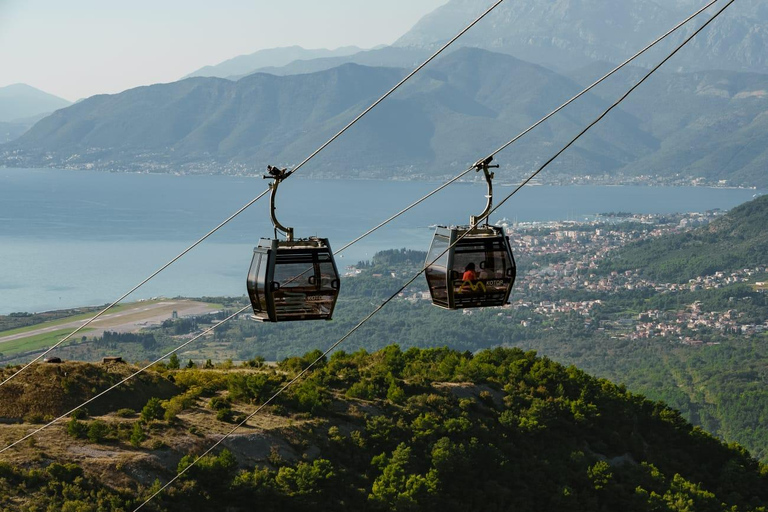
{"x":152,"y":411}
{"x":62,"y":487}
{"x":54,"y":389}
{"x":433,"y":429}
{"x":736,"y":241}
{"x":137,"y":435}
{"x":32,"y":343}
{"x":17,"y":323}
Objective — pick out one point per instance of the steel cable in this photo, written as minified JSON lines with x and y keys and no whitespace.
{"x":410,"y":281}
{"x":123,"y":381}
{"x":367,"y":233}
{"x":250,"y":203}
{"x":534,"y":125}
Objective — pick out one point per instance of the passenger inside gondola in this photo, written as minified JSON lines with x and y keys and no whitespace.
{"x":469,"y":273}
{"x":470,"y":282}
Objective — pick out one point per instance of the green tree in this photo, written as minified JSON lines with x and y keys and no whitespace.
{"x":210,"y":470}
{"x":153,"y":410}
{"x":173,"y":362}
{"x":77,"y":429}
{"x":395,"y":488}
{"x":305,"y":478}
{"x":137,"y":435}
{"x":98,"y":431}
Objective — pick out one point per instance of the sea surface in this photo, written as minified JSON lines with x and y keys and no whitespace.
{"x":76,"y":238}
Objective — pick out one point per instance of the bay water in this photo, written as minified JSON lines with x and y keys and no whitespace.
{"x":76,"y":238}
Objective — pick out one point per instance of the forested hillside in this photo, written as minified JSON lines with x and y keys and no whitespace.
{"x":738,"y":240}
{"x":438,"y":124}
{"x":677,"y":127}
{"x":424,"y":430}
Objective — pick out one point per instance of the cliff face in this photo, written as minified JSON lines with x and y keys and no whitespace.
{"x":568,"y":33}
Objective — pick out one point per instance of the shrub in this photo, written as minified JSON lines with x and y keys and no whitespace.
{"x":77,"y":429}
{"x":395,"y":393}
{"x":64,"y":472}
{"x":80,"y":414}
{"x":218,"y":403}
{"x":125,"y":413}
{"x":153,"y":410}
{"x":98,"y":431}
{"x":210,"y":470}
{"x":310,"y":397}
{"x":256,"y":362}
{"x":181,"y":402}
{"x":226,"y":415}
{"x":257,"y":387}
{"x":34,"y":418}
{"x":137,"y":435}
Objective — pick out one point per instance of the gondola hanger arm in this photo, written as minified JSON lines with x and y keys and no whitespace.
{"x":484,"y":165}
{"x":277,"y":174}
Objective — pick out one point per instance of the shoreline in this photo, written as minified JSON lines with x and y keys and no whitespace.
{"x":656,"y":182}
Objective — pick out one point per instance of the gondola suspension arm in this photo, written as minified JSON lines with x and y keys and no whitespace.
{"x":278,"y":175}
{"x":484,"y":165}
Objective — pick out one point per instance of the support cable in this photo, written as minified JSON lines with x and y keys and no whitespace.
{"x":250,"y":203}
{"x":145,"y":281}
{"x":534,"y":125}
{"x":390,"y":219}
{"x":410,"y":281}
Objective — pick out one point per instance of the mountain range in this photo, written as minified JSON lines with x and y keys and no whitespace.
{"x":441,"y":122}
{"x":454,"y":112}
{"x":20,"y":101}
{"x":563,"y":34}
{"x":681,"y":124}
{"x":271,"y":57}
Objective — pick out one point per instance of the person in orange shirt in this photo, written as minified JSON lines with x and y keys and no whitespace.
{"x":469,"y":273}
{"x":469,"y":279}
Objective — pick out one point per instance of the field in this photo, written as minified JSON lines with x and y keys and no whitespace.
{"x":123,"y":318}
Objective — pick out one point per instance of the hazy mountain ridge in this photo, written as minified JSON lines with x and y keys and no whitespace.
{"x":711,"y":123}
{"x":438,"y":123}
{"x":388,"y":57}
{"x":568,"y":33}
{"x":20,"y":101}
{"x":272,"y":57}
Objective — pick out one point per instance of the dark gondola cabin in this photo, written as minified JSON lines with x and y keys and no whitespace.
{"x":293,"y":280}
{"x":477,"y":272}
{"x":471,"y":266}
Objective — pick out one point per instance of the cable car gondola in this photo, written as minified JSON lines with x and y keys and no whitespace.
{"x":471,"y":266}
{"x":292,"y":279}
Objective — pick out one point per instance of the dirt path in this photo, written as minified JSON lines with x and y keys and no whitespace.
{"x":129,"y":320}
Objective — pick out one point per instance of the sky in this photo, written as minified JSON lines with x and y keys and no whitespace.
{"x":78,"y":48}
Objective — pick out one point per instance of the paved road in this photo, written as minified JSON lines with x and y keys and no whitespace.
{"x":128,"y":320}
